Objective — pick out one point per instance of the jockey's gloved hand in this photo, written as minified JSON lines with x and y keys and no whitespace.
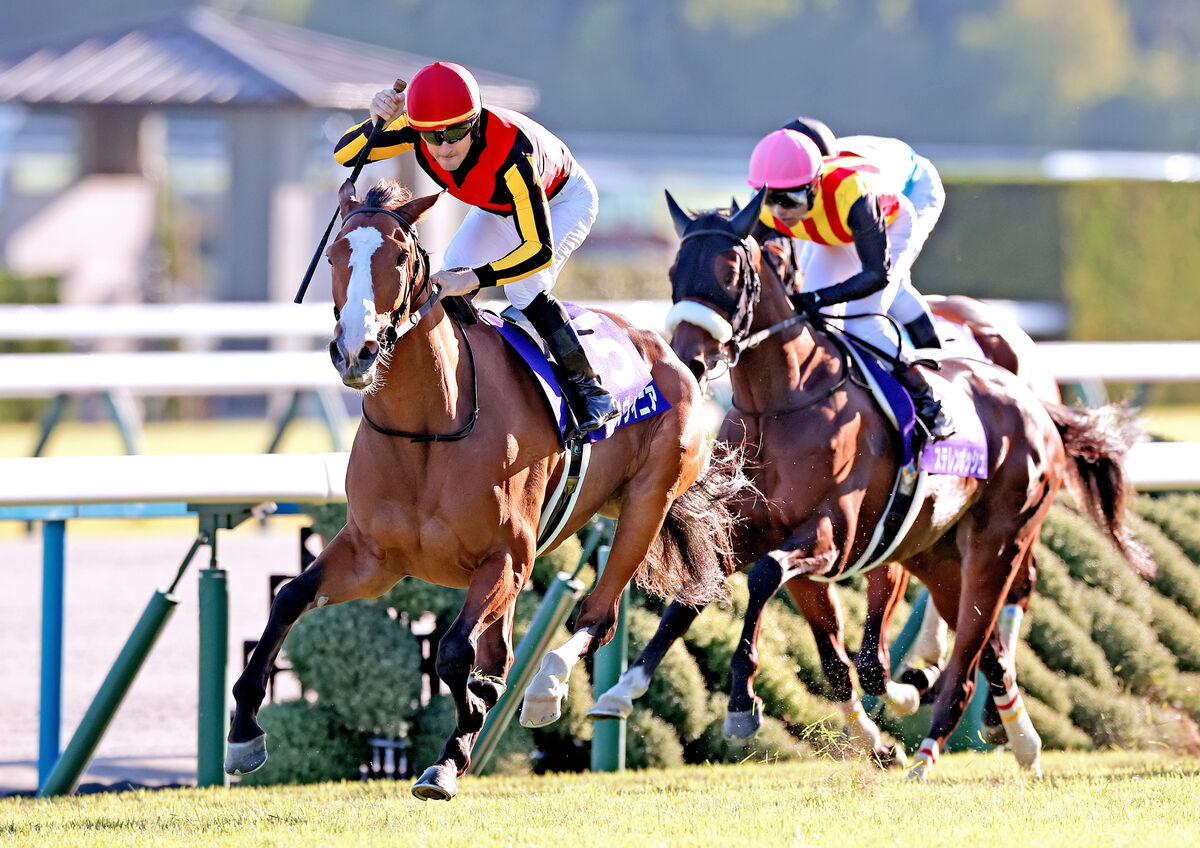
{"x":809,"y":302}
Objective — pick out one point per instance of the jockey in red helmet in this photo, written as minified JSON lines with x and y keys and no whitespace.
{"x":841,"y":205}
{"x":532,"y":205}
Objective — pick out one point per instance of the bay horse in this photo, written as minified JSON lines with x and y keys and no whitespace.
{"x":825,"y":460}
{"x":449,"y":471}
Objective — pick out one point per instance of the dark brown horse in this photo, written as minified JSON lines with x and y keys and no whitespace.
{"x":449,"y":472}
{"x":826,"y":460}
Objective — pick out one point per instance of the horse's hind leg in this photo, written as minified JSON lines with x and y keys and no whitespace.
{"x":988,"y":567}
{"x":617,"y":702}
{"x":1008,"y":628}
{"x":439,"y":782}
{"x":1000,"y":673}
{"x":818,"y":603}
{"x":334,"y":576}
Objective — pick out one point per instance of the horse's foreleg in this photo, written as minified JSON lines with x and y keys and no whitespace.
{"x":491,"y":594}
{"x":617,"y":702}
{"x":641,"y":519}
{"x":1008,"y":628}
{"x":744,"y":716}
{"x":439,"y":782}
{"x":885,"y":588}
{"x":333,"y":577}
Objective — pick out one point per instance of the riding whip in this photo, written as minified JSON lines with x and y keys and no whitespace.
{"x":358,"y":166}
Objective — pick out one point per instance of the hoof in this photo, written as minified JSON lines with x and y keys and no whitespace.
{"x":438,"y":783}
{"x":994,"y":734}
{"x":1036,"y":768}
{"x":611,"y":706}
{"x":743,"y":725}
{"x":919,"y":772}
{"x":540,"y":710}
{"x":245,"y":757}
{"x":904,"y":699}
{"x":890,"y":756}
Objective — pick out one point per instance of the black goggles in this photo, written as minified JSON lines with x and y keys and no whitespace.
{"x":791,"y":198}
{"x":453,"y":134}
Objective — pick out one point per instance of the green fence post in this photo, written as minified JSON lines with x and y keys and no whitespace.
{"x":64,"y":777}
{"x":212,"y":724}
{"x":608,"y":737}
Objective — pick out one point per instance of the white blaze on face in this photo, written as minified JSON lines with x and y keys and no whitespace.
{"x":358,"y":315}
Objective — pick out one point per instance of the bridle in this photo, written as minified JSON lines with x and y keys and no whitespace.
{"x":396,"y":329}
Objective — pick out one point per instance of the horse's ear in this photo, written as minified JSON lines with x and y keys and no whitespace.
{"x":733,"y":206}
{"x":417,"y":208}
{"x":678,"y":217}
{"x":743,"y":221}
{"x":346,"y":198}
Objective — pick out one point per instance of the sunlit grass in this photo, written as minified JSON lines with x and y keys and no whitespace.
{"x":1089,"y":800}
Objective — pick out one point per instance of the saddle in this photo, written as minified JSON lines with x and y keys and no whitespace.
{"x":962,"y":455}
{"x":621,"y":367}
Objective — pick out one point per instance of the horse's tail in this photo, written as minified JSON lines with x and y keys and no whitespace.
{"x":693,"y":554}
{"x":1097,"y":442}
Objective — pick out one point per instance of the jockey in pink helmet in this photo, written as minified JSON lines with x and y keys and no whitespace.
{"x":903,"y":169}
{"x":840,"y":204}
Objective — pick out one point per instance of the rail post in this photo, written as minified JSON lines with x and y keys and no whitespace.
{"x":608,"y":737}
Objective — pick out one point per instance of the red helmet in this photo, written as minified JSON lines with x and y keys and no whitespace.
{"x":440,"y":95}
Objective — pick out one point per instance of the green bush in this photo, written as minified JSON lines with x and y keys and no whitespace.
{"x":1054,"y":582}
{"x":1056,"y":730}
{"x":1090,"y":556}
{"x":651,"y":742}
{"x":1178,"y":516}
{"x":308,"y":743}
{"x":1049,"y":687}
{"x":800,"y":647}
{"x":711,"y":640}
{"x":1130,"y":646}
{"x":1118,"y":720}
{"x":1183,"y":691}
{"x":1178,"y":577}
{"x":1177,"y":630}
{"x":362,"y":664}
{"x":1064,"y":646}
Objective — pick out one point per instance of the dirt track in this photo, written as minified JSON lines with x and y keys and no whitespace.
{"x":109,"y":580}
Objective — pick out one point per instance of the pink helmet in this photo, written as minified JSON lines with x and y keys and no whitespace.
{"x":784,"y":159}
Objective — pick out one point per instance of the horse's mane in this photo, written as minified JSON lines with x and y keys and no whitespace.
{"x":387,"y":194}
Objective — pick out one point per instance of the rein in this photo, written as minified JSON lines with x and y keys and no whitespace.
{"x":395,"y":331}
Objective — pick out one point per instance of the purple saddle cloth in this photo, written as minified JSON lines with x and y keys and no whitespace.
{"x":623,"y":371}
{"x":962,"y":455}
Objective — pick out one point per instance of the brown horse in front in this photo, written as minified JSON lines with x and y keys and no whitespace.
{"x":826,"y":460}
{"x":449,"y":473}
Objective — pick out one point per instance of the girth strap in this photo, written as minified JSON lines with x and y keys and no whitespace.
{"x":561,"y":504}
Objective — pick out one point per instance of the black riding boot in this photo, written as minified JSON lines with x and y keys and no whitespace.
{"x":929,"y":409}
{"x":591,"y":404}
{"x":922,"y":333}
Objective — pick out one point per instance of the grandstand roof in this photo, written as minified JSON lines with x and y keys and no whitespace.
{"x":201,"y":57}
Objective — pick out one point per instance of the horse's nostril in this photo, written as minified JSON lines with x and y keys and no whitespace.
{"x":696,"y":366}
{"x":335,"y":354}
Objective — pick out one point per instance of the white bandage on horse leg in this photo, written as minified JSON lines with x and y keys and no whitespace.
{"x":863,"y":732}
{"x":930,"y":645}
{"x":1009,"y":626}
{"x":1022,"y":738}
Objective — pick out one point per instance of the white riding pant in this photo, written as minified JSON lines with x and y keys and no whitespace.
{"x":928,"y":198}
{"x":485,"y":237}
{"x":828,"y":265}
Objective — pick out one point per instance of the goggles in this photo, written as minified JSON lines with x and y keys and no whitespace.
{"x":453,"y":134}
{"x":791,"y":198}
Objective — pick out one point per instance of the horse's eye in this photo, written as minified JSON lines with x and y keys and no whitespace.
{"x":402,"y":258}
